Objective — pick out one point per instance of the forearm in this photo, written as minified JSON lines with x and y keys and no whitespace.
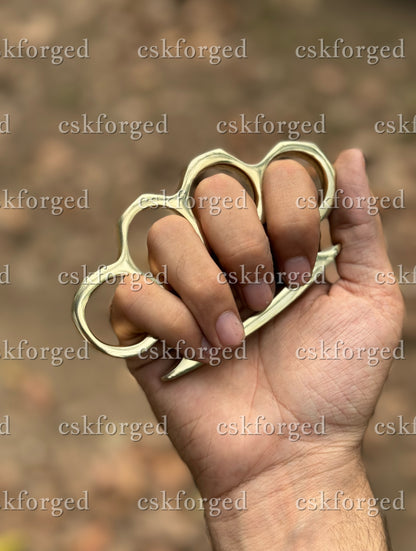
{"x":284,"y":512}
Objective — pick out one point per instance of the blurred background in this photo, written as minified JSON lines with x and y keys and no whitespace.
{"x":38,"y":246}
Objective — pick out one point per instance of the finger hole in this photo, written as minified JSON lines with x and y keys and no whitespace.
{"x":311,"y":166}
{"x":242,"y":178}
{"x":98,"y":307}
{"x":137,"y":240}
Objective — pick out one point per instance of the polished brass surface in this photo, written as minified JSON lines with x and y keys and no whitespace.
{"x":180,"y":204}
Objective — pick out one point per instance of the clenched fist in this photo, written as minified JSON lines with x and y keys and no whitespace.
{"x":202,"y":309}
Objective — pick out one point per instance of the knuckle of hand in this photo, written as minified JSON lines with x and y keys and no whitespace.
{"x":118,"y":307}
{"x":209,"y":291}
{"x":305,"y":226}
{"x":163,"y":228}
{"x":253,"y":250}
{"x":122,"y":298}
{"x":289,"y":168}
{"x":356,"y":155}
{"x":216,"y":184}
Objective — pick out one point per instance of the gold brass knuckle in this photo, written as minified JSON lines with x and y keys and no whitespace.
{"x":179,"y":202}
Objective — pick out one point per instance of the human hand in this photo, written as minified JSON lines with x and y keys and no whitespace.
{"x":273,"y":382}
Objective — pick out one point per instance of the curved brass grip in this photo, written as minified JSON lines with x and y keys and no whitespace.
{"x":179,"y":202}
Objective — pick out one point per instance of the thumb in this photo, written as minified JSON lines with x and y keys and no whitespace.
{"x":363,"y":251}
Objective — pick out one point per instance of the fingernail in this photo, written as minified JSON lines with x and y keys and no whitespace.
{"x":205,"y":344}
{"x":297,"y":271}
{"x":206,"y":349}
{"x":257,"y":295}
{"x":230,"y":330}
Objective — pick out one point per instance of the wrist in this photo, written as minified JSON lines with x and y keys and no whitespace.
{"x":321,"y":502}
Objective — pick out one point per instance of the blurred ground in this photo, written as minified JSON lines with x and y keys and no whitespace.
{"x":38,"y":246}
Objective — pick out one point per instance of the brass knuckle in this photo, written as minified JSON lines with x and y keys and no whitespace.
{"x":180,"y":204}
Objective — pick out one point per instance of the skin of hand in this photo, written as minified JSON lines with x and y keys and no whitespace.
{"x":272,"y":381}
